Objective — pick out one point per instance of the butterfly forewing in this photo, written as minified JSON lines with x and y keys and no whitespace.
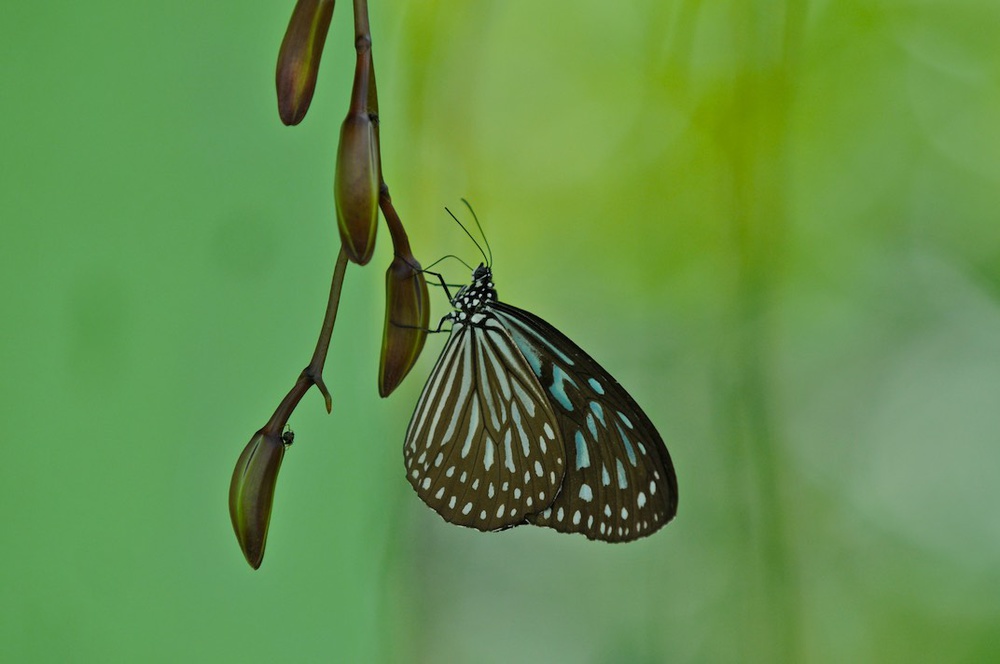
{"x":620,"y":482}
{"x":483,"y":448}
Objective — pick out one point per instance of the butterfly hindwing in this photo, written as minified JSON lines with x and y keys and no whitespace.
{"x":483,"y":448}
{"x":620,"y":482}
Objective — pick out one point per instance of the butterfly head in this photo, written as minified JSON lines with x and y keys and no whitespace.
{"x":476,"y":295}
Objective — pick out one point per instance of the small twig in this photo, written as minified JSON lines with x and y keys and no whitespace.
{"x":365,"y":73}
{"x":362,"y":33}
{"x":400,"y":243}
{"x":313,"y":373}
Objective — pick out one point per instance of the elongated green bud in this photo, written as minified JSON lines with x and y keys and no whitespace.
{"x":407,"y":313}
{"x":356,"y":186}
{"x":251,"y":493}
{"x":299,"y":57}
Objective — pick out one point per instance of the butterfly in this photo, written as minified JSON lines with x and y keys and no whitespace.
{"x":518,"y":425}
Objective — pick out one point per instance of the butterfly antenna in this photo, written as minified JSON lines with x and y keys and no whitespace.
{"x":447,"y":257}
{"x":478,"y":246}
{"x":481,"y":232}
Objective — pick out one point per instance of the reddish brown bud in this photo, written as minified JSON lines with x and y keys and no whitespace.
{"x":298,"y":59}
{"x":356,"y":186}
{"x":251,"y":493}
{"x":407,"y":312}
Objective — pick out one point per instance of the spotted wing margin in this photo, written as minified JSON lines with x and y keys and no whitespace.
{"x":483,"y":447}
{"x":620,"y":482}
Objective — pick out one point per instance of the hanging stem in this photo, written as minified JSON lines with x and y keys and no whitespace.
{"x":313,"y":373}
{"x":363,"y":99}
{"x":363,"y":45}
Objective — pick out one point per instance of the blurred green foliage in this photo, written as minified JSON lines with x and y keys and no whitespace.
{"x":775,"y":223}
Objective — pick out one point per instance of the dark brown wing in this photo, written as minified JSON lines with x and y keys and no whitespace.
{"x":620,"y":482}
{"x":483,"y":447}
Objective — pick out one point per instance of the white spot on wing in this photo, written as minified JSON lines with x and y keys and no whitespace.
{"x":598,"y":412}
{"x":508,"y":455}
{"x":526,"y":401}
{"x":488,"y":454}
{"x":473,"y":428}
{"x":582,"y":453}
{"x":622,"y":481}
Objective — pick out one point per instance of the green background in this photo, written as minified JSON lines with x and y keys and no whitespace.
{"x":775,"y":223}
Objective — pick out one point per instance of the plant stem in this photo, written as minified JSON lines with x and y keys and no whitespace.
{"x":362,"y":33}
{"x":363,"y":45}
{"x":313,"y":373}
{"x":400,"y":243}
{"x":364,"y":74}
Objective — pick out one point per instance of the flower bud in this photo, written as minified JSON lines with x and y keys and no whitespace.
{"x":407,"y":312}
{"x":251,"y":493}
{"x":356,"y":186}
{"x":298,"y":59}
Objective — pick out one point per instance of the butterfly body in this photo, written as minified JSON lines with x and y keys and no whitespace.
{"x":518,"y":425}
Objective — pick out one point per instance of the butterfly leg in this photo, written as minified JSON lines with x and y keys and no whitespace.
{"x":440,"y":327}
{"x":443,"y":283}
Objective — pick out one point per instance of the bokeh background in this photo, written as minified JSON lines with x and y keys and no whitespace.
{"x":775,"y":223}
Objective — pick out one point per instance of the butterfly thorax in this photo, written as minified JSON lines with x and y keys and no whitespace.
{"x":470,"y":300}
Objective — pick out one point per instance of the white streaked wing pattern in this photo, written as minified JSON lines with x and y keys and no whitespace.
{"x":483,"y":449}
{"x":620,"y":482}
